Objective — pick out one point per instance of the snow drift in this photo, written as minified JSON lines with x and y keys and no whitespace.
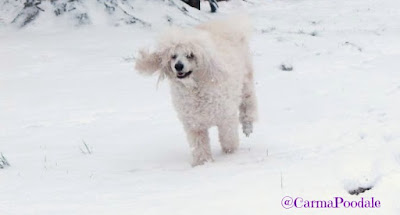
{"x":23,"y":13}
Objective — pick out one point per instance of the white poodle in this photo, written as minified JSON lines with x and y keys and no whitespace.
{"x":210,"y":71}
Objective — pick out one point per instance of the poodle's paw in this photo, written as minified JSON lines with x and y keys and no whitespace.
{"x":247,"y":128}
{"x":229,"y":150}
{"x":201,"y":160}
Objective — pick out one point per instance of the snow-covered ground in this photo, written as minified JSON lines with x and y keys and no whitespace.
{"x":330,"y":125}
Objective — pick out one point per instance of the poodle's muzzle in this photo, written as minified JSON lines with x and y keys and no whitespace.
{"x":180,"y":72}
{"x":181,"y":75}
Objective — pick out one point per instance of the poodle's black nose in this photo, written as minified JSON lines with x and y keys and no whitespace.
{"x":179,"y":66}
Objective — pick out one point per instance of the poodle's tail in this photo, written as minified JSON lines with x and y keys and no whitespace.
{"x":236,"y":28}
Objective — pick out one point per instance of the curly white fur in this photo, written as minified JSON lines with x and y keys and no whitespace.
{"x":219,"y":90}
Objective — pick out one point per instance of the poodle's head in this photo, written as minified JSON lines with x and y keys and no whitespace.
{"x":182,"y":55}
{"x":183,"y":61}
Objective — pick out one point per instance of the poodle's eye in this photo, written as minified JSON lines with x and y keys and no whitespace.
{"x":190,"y":56}
{"x":174,"y":56}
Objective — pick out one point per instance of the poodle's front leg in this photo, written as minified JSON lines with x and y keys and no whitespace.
{"x":229,"y":134}
{"x":200,"y":145}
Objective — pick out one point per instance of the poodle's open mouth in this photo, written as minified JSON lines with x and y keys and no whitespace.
{"x":183,"y":75}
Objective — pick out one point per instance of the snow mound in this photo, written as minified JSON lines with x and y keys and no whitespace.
{"x":144,"y":13}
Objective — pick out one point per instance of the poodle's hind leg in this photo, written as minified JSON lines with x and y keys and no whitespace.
{"x":229,"y":135}
{"x":199,"y":143}
{"x":248,"y":106}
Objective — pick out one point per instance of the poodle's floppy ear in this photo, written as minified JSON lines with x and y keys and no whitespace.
{"x":211,"y":66}
{"x":148,"y":63}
